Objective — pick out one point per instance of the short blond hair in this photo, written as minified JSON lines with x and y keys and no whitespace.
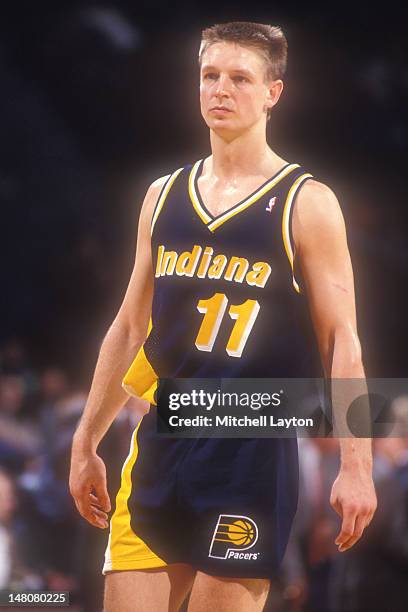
{"x":269,"y":40}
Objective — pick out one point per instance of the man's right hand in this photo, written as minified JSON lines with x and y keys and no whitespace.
{"x":128,"y":331}
{"x":87,"y":484}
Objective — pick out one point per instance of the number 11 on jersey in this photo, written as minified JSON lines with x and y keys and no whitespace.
{"x":214,"y":309}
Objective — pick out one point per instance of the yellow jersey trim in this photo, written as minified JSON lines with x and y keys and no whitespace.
{"x":218,"y":221}
{"x":285,"y":223}
{"x":214,"y":223}
{"x":204,"y":216}
{"x":163,"y":196}
{"x":126,"y":550}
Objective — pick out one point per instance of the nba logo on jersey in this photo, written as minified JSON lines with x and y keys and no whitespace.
{"x":271,"y":204}
{"x":232,"y":535}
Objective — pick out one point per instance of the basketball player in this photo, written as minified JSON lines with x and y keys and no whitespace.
{"x":228,"y":250}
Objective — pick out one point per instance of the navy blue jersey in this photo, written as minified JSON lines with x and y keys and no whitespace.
{"x":226,"y":301}
{"x":225,"y":304}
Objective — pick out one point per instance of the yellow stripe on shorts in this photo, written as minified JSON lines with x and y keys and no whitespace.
{"x":126,"y":550}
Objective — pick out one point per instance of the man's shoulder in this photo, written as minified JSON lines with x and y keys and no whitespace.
{"x":317,"y":214}
{"x":317,"y":191}
{"x":157,"y":185}
{"x":316,"y":201}
{"x":156,"y":188}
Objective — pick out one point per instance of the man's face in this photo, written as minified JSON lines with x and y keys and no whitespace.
{"x":234,"y":93}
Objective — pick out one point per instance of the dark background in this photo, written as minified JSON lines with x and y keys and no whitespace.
{"x":97,"y":100}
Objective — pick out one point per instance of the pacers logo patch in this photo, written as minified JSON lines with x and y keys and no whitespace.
{"x":234,"y":534}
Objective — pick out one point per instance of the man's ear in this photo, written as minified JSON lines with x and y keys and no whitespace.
{"x":275,"y":89}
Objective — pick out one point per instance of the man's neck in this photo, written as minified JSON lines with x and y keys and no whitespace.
{"x":246,"y":154}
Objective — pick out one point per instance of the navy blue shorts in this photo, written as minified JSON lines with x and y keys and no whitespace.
{"x":224,"y":506}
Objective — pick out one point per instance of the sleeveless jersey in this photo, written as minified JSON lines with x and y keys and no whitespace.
{"x":226,"y":302}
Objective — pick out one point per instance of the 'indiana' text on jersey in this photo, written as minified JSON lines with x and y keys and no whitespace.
{"x":226,"y":301}
{"x":203,"y":264}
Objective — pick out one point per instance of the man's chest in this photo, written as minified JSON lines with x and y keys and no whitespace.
{"x":220,"y":197}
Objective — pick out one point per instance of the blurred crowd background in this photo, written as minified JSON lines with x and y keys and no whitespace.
{"x":99,"y":99}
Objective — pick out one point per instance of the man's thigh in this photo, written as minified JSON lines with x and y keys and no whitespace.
{"x":158,"y":590}
{"x":228,"y":594}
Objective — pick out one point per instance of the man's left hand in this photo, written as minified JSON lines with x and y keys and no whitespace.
{"x":353,"y":497}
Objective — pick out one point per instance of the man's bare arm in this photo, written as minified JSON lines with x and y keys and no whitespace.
{"x":119,"y":347}
{"x":322,"y":253}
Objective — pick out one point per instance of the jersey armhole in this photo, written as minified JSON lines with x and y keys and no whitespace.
{"x":287,"y":225}
{"x":162,"y":197}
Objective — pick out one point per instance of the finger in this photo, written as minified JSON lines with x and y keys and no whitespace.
{"x":95,"y":518}
{"x":94,"y":500}
{"x":79,"y":505}
{"x":95,"y":505}
{"x":369,"y":517}
{"x":359,"y":527}
{"x":98,"y":512}
{"x":96,"y":521}
{"x":102,"y":496}
{"x":91,"y":514}
{"x":347,"y":527}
